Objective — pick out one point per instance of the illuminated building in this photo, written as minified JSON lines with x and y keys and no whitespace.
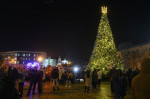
{"x":64,"y":61}
{"x":133,"y":56}
{"x":49,"y":61}
{"x":59,"y":61}
{"x":22,"y":57}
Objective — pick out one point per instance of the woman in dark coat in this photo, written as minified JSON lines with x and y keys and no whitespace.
{"x":87,"y":80}
{"x":117,"y":85}
{"x":124,"y":85}
{"x":7,"y":89}
{"x":94,"y":78}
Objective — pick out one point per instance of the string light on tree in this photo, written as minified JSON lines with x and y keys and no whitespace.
{"x":104,"y":52}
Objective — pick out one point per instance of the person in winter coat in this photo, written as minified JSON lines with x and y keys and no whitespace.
{"x":21,"y":83}
{"x":94,"y":78}
{"x":40,"y":78}
{"x":129,"y":76}
{"x":55,"y":75}
{"x":87,"y":81}
{"x":133,"y":74}
{"x":65,"y":77}
{"x":112,"y":71}
{"x":140,"y":83}
{"x":117,"y":85}
{"x":70,"y":77}
{"x":60,"y":74}
{"x":99,"y":74}
{"x":34,"y":79}
{"x":7,"y":89}
{"x":124,"y":85}
{"x":44,"y":73}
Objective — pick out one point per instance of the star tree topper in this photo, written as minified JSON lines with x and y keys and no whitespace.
{"x":104,"y":9}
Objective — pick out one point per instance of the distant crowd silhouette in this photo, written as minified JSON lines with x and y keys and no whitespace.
{"x":120,"y":81}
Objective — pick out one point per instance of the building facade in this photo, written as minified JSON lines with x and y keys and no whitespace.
{"x":49,"y":61}
{"x":21,"y":57}
{"x":132,"y":57}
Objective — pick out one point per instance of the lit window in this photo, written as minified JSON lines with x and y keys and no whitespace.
{"x":17,"y":62}
{"x":23,"y":54}
{"x":34,"y":58}
{"x":34,"y":55}
{"x":18,"y":54}
{"x":23,"y":62}
{"x":29,"y":54}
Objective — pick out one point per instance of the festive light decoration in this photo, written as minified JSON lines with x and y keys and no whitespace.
{"x":32,"y":65}
{"x":65,"y":62}
{"x":104,"y":52}
{"x":104,"y":10}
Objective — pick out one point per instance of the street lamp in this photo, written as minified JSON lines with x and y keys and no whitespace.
{"x":40,"y":59}
{"x":75,"y":69}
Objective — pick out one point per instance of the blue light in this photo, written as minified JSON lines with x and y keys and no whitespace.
{"x":32,"y":65}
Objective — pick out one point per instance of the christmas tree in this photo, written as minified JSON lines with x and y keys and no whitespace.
{"x":104,"y":52}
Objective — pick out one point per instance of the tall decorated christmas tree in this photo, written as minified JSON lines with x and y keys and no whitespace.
{"x":105,"y":53}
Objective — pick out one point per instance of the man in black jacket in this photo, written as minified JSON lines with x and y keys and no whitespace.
{"x":34,"y":79}
{"x":55,"y":75}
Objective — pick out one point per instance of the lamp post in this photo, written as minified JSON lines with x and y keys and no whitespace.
{"x":40,"y":59}
{"x":75,"y":69}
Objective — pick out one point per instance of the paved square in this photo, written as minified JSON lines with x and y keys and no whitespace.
{"x":75,"y":92}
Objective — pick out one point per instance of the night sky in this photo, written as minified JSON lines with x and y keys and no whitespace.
{"x":68,"y":28}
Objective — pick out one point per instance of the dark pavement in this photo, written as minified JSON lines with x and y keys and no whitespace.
{"x":75,"y":92}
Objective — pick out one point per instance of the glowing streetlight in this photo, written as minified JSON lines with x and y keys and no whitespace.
{"x":75,"y":69}
{"x":69,"y":63}
{"x":40,"y":59}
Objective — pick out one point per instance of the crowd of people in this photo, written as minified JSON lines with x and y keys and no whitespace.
{"x":92,"y":79}
{"x":58,"y":75}
{"x":9,"y":77}
{"x":120,"y":80}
